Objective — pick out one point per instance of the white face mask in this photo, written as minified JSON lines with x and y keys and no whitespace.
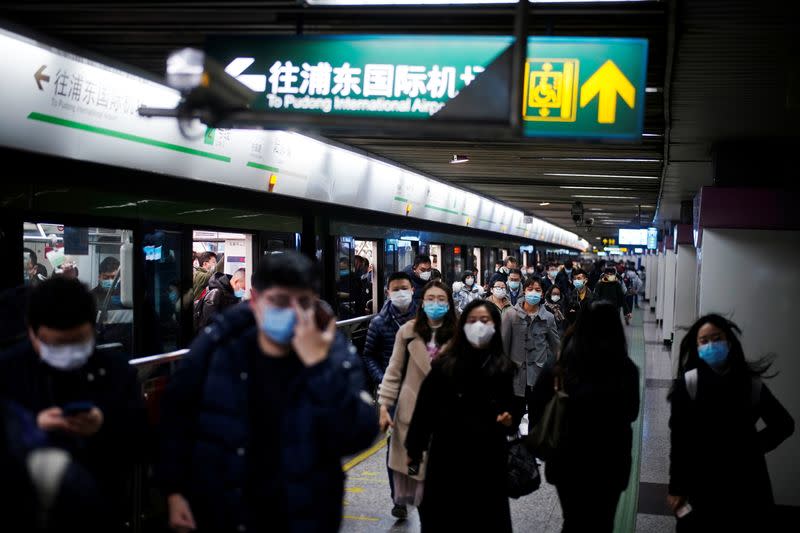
{"x":425,"y":276}
{"x":401,"y":299}
{"x":498,"y":292}
{"x":66,"y":356}
{"x":457,"y":286}
{"x":469,"y":281}
{"x":555,"y":297}
{"x":479,"y":334}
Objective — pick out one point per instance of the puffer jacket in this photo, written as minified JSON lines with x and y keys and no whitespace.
{"x":206,"y":430}
{"x":380,"y":338}
{"x":220,"y":296}
{"x":463,"y":297}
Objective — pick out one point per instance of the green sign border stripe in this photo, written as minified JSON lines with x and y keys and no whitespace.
{"x":400,"y":199}
{"x":442,"y":209}
{"x":486,"y":220}
{"x":260,"y":166}
{"x":49,"y":119}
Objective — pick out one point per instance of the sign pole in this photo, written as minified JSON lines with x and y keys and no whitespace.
{"x":519,"y":56}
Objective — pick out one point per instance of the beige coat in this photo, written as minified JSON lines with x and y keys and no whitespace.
{"x":404,"y":397}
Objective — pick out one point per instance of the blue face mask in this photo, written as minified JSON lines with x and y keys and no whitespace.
{"x":278,"y":323}
{"x":513,"y":285}
{"x":107,"y":283}
{"x":344,"y":272}
{"x":533,"y":298}
{"x":568,"y":271}
{"x":173,"y":297}
{"x":579,"y":283}
{"x":239,"y":294}
{"x":436,"y":310}
{"x":715,"y":354}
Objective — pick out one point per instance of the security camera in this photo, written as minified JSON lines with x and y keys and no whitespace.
{"x":204,"y":83}
{"x":589,"y":221}
{"x":577,"y":212}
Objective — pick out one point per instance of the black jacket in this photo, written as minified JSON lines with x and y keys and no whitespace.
{"x":717,"y":455}
{"x":380,"y":338}
{"x":106,"y":380}
{"x":220,"y":296}
{"x":600,"y":411}
{"x":207,"y":430}
{"x":613,"y":292}
{"x":467,"y":455}
{"x":418,"y":283}
{"x":574,"y":305}
{"x":564,"y":282}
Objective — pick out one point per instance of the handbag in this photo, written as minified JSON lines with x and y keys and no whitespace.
{"x":548,"y":434}
{"x":523,"y":470}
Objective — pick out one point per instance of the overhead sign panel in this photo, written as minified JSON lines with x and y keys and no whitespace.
{"x":584,"y":87}
{"x":393,"y":76}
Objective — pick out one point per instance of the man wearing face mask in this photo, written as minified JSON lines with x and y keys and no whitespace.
{"x":208,"y":265}
{"x":564,"y":278}
{"x":107,"y":283}
{"x":261,"y":411}
{"x":579,"y":299}
{"x":420,"y":273}
{"x":502,"y":274}
{"x":610,"y":289}
{"x":87,"y":402}
{"x":398,"y":309}
{"x":514,"y":285}
{"x":224,"y":291}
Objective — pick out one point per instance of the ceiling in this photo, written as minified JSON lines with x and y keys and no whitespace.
{"x":617,"y":183}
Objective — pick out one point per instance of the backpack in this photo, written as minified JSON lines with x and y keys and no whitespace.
{"x":197,"y":310}
{"x":630,"y":286}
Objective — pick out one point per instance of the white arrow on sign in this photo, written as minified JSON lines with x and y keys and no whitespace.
{"x":255,"y":82}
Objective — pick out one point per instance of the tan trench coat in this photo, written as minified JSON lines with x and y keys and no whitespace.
{"x":404,"y":396}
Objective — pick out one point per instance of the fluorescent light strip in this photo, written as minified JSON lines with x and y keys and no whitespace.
{"x":616,"y":176}
{"x":606,"y":197}
{"x":449,"y":2}
{"x":596,"y":188}
{"x":598,"y":159}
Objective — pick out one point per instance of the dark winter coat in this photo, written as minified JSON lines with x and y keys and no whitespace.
{"x":564,"y":282}
{"x":107,"y":381}
{"x":466,"y":461}
{"x":207,"y":430}
{"x":574,"y":305}
{"x":380,"y":338}
{"x":600,"y":411}
{"x":613,"y":292}
{"x":717,"y":455}
{"x":220,"y":296}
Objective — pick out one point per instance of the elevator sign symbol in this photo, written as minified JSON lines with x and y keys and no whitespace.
{"x":551,"y":88}
{"x":584,"y":87}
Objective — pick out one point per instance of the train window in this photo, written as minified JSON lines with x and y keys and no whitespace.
{"x":231,"y":252}
{"x":366,"y":265}
{"x":474,"y":258}
{"x":102,"y":258}
{"x":356,"y":280}
{"x":405,"y":254}
{"x":167,"y":294}
{"x":435,"y":251}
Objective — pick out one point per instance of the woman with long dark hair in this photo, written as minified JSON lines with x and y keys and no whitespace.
{"x":418,"y":343}
{"x":464,"y":411}
{"x":718,"y":474}
{"x":592,"y":465}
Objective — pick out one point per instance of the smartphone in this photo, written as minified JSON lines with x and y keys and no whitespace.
{"x":75,"y":408}
{"x":413,"y":469}
{"x":323,"y":313}
{"x":683,"y":510}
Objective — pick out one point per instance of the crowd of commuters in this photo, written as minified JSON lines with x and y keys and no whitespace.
{"x":258,"y":416}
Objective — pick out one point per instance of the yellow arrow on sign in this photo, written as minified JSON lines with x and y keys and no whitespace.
{"x":607,"y":82}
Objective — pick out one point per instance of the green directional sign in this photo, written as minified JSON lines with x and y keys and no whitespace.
{"x":584,"y":87}
{"x":400,"y":76}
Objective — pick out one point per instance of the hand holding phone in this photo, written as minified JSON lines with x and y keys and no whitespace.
{"x":74,"y":408}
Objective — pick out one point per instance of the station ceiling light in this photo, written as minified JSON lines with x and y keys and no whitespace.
{"x":459,"y":159}
{"x":605,"y":197}
{"x":446,"y":2}
{"x":615,"y":176}
{"x":595,"y":188}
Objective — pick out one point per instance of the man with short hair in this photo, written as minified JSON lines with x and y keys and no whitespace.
{"x":510,"y":264}
{"x":420,"y":272}
{"x":398,"y":309}
{"x":89,"y":402}
{"x":580,"y":297}
{"x":612,"y":290}
{"x":107,"y":283}
{"x":208,"y":265}
{"x":262,"y":409}
{"x":564,"y":278}
{"x":514,"y":285}
{"x":224,"y":291}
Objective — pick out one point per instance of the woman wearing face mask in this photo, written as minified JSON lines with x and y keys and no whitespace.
{"x":498,"y":295}
{"x":464,"y":411}
{"x":531,"y":340}
{"x":718,"y":473}
{"x":465,"y":291}
{"x":555,"y":304}
{"x":417,"y":345}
